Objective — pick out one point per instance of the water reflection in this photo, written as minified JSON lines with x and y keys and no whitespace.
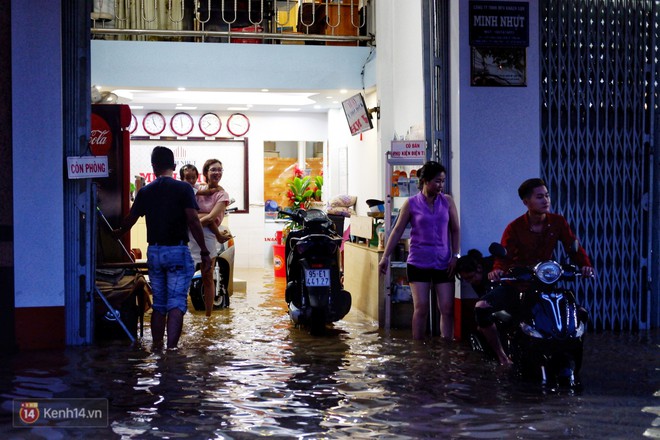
{"x":246,"y":373}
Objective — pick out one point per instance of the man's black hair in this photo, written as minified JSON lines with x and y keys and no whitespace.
{"x":527,"y":187}
{"x":162,"y":159}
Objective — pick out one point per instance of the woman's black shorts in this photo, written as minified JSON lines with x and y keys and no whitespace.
{"x":433,"y":276}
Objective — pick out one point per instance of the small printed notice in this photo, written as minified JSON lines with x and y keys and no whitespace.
{"x":87,"y":167}
{"x":357,"y":114}
{"x":413,"y":150}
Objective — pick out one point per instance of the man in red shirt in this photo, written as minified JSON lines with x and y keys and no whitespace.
{"x":529,"y":239}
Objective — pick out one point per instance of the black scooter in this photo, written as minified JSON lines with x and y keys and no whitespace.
{"x":314,"y":290}
{"x":545,"y":338}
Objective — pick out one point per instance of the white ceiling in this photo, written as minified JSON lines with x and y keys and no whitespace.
{"x":245,"y":100}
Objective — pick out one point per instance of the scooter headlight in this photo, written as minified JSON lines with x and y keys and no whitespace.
{"x":548,"y":272}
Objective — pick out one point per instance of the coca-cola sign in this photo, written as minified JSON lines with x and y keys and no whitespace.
{"x":100,"y":142}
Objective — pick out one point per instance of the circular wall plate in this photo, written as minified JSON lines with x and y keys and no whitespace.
{"x":210,"y":124}
{"x":154,"y":123}
{"x":134,"y":124}
{"x":181,"y":123}
{"x":238,"y":124}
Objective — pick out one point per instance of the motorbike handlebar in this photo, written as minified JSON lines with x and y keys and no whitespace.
{"x":528,"y":278}
{"x":295,"y":216}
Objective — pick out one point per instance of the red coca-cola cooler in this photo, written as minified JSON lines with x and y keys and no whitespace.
{"x":110,"y":137}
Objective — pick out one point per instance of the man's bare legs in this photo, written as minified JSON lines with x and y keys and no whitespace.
{"x":174,"y":323}
{"x":174,"y":327}
{"x":158,"y":321}
{"x":493,"y":338}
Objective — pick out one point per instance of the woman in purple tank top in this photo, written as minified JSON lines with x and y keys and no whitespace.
{"x":434,"y":243}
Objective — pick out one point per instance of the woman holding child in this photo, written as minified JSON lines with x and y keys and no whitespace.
{"x":212,"y":200}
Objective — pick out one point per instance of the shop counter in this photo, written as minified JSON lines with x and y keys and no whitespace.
{"x":367,"y":286}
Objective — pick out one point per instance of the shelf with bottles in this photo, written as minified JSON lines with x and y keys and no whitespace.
{"x":401,"y":292}
{"x":404,"y":184}
{"x":399,"y":288}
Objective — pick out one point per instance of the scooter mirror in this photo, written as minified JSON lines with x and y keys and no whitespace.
{"x":497,"y":250}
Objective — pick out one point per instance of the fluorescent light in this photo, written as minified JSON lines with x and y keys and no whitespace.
{"x":238,"y":108}
{"x":136,"y":107}
{"x":181,"y":89}
{"x":343,"y":91}
{"x":183,"y":107}
{"x":288,"y":109}
{"x":265,"y":90}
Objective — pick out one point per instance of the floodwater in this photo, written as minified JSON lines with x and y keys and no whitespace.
{"x":247,"y":373}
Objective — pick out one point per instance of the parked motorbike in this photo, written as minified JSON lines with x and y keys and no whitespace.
{"x":314,"y":290}
{"x":545,"y":338}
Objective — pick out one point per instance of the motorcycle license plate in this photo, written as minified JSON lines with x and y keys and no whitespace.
{"x":317,"y":277}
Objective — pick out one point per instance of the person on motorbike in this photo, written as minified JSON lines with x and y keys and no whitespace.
{"x":528,"y":240}
{"x":473,"y":268}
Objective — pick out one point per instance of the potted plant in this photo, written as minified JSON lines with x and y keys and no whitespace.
{"x":299,"y":192}
{"x":317,"y":193}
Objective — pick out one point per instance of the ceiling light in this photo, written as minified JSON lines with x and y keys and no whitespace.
{"x":265,"y":90}
{"x":136,"y":107}
{"x":288,"y":109}
{"x":238,"y":108}
{"x":181,"y":89}
{"x":343,"y":91}
{"x":183,"y":107}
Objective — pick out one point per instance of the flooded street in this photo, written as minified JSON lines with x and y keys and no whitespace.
{"x":247,"y":373}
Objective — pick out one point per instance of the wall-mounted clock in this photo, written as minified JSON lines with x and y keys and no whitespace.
{"x":181,"y":123}
{"x":210,"y":124}
{"x":154,"y":123}
{"x":238,"y":124}
{"x":134,"y":124}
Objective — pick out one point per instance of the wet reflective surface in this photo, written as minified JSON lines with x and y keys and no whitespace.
{"x":247,"y":373}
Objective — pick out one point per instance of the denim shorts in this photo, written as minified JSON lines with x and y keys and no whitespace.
{"x":170,"y":272}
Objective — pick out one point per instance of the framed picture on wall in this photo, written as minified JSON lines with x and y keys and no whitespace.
{"x":232,"y":153}
{"x":498,"y":66}
{"x":499,"y":37}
